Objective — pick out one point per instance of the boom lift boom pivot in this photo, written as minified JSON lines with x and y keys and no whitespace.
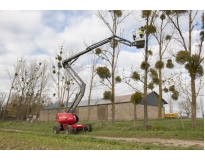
{"x":68,"y":121}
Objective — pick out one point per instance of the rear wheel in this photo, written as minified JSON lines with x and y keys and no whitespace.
{"x":56,"y":130}
{"x":88,"y":128}
{"x":68,"y":129}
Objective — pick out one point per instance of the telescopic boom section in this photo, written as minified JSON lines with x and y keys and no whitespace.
{"x":67,"y":65}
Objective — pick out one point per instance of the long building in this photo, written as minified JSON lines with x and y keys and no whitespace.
{"x":102,"y":110}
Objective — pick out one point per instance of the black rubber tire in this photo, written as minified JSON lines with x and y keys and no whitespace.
{"x":56,"y":130}
{"x":68,"y":129}
{"x":88,"y":128}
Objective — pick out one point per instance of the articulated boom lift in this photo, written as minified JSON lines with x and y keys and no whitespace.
{"x":68,"y":121}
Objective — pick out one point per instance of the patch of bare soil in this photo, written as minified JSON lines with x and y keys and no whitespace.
{"x":159,"y":141}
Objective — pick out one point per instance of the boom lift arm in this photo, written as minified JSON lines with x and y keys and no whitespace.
{"x":69,"y":61}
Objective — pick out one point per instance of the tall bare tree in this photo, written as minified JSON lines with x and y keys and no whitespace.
{"x":93,"y":66}
{"x":191,"y":61}
{"x":42,"y":86}
{"x":185,"y":107}
{"x":149,"y":17}
{"x":2,"y":99}
{"x":163,"y":40}
{"x":61,"y":79}
{"x":29,"y":88}
{"x":117,"y":16}
{"x":17,"y":66}
{"x":202,"y":107}
{"x":64,"y":86}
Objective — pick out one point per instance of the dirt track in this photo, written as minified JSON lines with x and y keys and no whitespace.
{"x":156,"y":141}
{"x":159,"y":141}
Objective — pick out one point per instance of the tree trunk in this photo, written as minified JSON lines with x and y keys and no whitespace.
{"x":160,"y":96}
{"x":113,"y":91}
{"x":182,"y":122}
{"x":135,"y":115}
{"x":90,"y":92}
{"x":145,"y":82}
{"x":193,"y":104}
{"x":7,"y":102}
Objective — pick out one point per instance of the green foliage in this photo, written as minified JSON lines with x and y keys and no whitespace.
{"x":182,"y":57}
{"x":159,"y":65}
{"x":135,"y":76}
{"x":61,"y":51}
{"x":113,"y":43}
{"x":194,"y":67}
{"x":59,"y":65}
{"x":150,"y":52}
{"x":168,"y":12}
{"x":155,"y":80}
{"x":162,"y":16}
{"x":199,"y":71}
{"x":146,"y":13}
{"x":103,"y":72}
{"x":107,"y":95}
{"x":144,"y":65}
{"x":169,"y":64}
{"x":150,"y":86}
{"x":188,"y":66}
{"x":175,"y":95}
{"x":59,"y":58}
{"x":150,"y":29}
{"x":195,"y":59}
{"x":153,"y":73}
{"x":67,"y":82}
{"x":172,"y":88}
{"x":118,"y":13}
{"x":98,"y":51}
{"x":165,"y":90}
{"x":118,"y":79}
{"x":168,"y":37}
{"x":136,"y":98}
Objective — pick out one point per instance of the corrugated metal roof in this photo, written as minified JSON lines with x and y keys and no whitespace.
{"x":55,"y":106}
{"x":81,"y":104}
{"x":119,"y":99}
{"x":92,"y":102}
{"x":123,"y":98}
{"x":126,"y":98}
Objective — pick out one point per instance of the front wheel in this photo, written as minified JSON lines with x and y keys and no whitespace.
{"x":68,"y":129}
{"x":88,"y":128}
{"x":56,"y":130}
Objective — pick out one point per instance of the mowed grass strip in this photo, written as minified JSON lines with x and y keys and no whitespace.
{"x":167,"y":128}
{"x":11,"y":140}
{"x":40,"y":136}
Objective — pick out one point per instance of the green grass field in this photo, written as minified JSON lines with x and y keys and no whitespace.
{"x":41,"y":137}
